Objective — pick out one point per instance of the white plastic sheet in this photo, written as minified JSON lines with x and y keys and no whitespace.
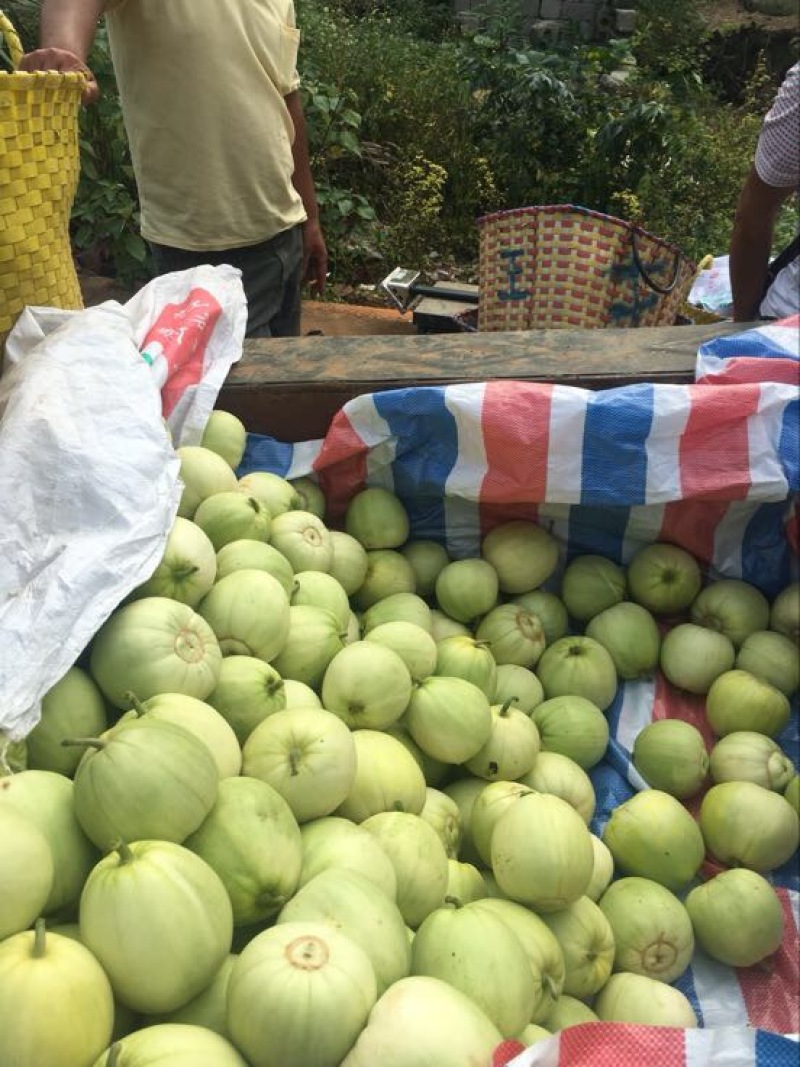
{"x":189,"y":327}
{"x":90,"y":405}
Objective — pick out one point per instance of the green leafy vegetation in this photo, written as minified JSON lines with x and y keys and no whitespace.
{"x":24,"y":17}
{"x":417,"y":127}
{"x":105,"y":217}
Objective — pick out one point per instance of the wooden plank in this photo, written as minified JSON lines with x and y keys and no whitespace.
{"x":290,"y":388}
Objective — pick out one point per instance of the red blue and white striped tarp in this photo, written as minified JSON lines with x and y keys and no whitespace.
{"x":713,"y":466}
{"x":617,"y":1045}
{"x":740,"y":358}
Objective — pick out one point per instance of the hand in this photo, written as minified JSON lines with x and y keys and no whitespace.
{"x":60,"y":59}
{"x":315,"y":256}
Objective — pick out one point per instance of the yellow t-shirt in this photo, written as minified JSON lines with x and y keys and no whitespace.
{"x":202,"y":85}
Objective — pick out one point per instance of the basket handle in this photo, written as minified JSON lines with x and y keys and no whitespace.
{"x":648,"y":280}
{"x":15,"y":50}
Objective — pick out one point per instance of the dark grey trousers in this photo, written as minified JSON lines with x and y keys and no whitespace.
{"x":272,"y":275}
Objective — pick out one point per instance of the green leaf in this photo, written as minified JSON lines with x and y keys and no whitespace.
{"x":135,"y":247}
{"x":350,"y":118}
{"x":348,"y":140}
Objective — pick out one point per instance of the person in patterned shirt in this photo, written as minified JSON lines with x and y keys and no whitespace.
{"x":761,"y":289}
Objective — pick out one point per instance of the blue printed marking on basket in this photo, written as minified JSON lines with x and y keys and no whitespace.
{"x":514,"y":271}
{"x":640,"y":300}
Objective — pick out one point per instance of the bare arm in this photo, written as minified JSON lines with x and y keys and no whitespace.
{"x":70,"y":24}
{"x":65,"y":39}
{"x":314,"y":250}
{"x":751,"y":243}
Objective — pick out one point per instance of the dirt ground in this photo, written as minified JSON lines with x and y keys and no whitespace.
{"x":348,"y":320}
{"x":723,"y":14}
{"x":318,"y":316}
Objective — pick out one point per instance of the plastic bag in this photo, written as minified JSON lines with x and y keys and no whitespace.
{"x":88,"y":491}
{"x":711,"y":289}
{"x":189,"y":327}
{"x":89,"y":479}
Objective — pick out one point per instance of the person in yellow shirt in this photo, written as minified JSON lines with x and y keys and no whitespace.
{"x":209,"y":94}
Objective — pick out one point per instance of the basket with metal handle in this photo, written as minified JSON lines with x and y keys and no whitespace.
{"x":39,"y":169}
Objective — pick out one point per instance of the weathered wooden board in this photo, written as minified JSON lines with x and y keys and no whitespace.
{"x":291,"y":388}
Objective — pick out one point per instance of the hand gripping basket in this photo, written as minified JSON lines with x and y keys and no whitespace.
{"x":39,"y":167}
{"x":564,"y":266}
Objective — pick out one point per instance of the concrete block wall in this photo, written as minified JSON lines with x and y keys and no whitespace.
{"x":594,"y":18}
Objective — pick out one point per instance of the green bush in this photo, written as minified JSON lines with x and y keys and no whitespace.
{"x":105,"y":217}
{"x":671,"y":41}
{"x":692,"y":199}
{"x":24,"y":17}
{"x":336,"y":148}
{"x":417,"y":128}
{"x":426,"y":19}
{"x":416,"y":115}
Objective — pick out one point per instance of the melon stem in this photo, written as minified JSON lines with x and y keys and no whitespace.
{"x":88,"y":742}
{"x":136,"y":704}
{"x":123,"y":850}
{"x":185,"y":572}
{"x":39,"y":937}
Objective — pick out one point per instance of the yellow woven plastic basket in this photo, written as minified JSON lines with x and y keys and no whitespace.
{"x":39,"y":168}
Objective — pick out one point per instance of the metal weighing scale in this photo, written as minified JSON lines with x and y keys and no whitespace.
{"x":435,"y":308}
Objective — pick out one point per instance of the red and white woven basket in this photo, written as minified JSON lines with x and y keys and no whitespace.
{"x":564,"y":266}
